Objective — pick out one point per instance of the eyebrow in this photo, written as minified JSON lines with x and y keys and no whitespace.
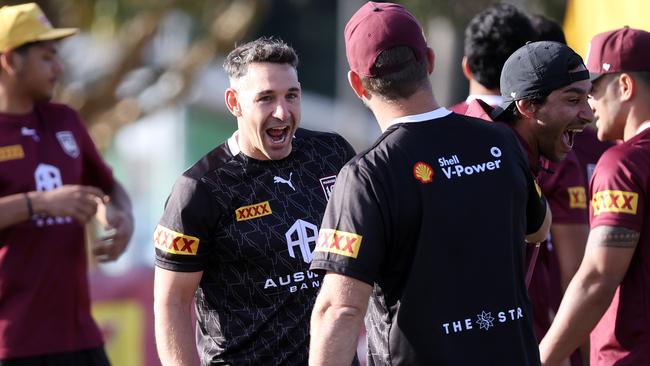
{"x":269,"y":91}
{"x":576,"y":90}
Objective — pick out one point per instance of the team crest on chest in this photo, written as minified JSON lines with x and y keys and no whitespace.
{"x":68,"y":143}
{"x":327,"y":183}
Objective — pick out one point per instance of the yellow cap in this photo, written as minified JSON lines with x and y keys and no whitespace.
{"x":25,"y":23}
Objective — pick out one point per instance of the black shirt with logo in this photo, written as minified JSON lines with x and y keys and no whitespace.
{"x":251,"y":227}
{"x":433,"y":216}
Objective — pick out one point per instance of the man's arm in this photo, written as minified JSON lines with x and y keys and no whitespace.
{"x":116,"y":216}
{"x":569,"y":241}
{"x":607,"y":258}
{"x":76,"y":201}
{"x":173,"y":294}
{"x":336,"y":320}
{"x":542,"y":233}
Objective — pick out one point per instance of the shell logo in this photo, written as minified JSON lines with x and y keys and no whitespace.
{"x":423,"y":172}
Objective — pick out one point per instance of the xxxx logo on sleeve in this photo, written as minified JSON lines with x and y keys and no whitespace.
{"x":338,"y":242}
{"x":253,"y":211}
{"x":615,"y":201}
{"x":173,"y":242}
{"x":577,"y":197}
{"x":11,"y":152}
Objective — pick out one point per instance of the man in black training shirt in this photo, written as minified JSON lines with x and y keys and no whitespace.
{"x":430,"y":221}
{"x":240,"y":225}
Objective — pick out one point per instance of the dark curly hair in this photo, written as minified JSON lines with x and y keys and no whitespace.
{"x":491,"y":37}
{"x":547,"y":29}
{"x":263,"y":49}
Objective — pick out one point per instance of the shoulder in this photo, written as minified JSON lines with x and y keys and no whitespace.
{"x":210,"y":162}
{"x":303,"y":134}
{"x":58,"y":113}
{"x":616,"y":157}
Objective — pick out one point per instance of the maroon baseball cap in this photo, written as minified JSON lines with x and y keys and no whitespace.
{"x":376,"y":27}
{"x":621,"y":50}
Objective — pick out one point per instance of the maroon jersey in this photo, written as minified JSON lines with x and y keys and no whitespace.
{"x":588,"y":150}
{"x":44,"y":301}
{"x":621,"y":191}
{"x":460,"y":108}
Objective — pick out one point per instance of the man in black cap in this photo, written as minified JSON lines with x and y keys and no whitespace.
{"x":544,"y":86}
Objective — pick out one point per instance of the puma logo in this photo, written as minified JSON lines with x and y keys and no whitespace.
{"x":24,"y":131}
{"x":277,"y":179}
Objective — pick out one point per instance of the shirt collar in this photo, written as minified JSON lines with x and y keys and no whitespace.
{"x":490,"y":99}
{"x":434,"y":114}
{"x":644,"y":126}
{"x":233,"y":145}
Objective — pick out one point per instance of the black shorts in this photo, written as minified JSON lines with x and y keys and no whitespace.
{"x":87,"y":357}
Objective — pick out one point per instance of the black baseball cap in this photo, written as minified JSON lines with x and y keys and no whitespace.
{"x":536,"y":70}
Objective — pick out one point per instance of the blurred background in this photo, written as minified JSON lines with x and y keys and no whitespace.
{"x":146,"y":77}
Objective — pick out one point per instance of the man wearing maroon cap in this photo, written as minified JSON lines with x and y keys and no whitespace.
{"x":52,"y":180}
{"x":613,"y":277}
{"x":395,"y":230}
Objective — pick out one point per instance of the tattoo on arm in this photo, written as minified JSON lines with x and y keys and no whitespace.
{"x":614,"y":236}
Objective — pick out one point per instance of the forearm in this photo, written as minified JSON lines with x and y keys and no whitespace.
{"x":569,"y":241}
{"x":13,"y":210}
{"x":334,"y":333}
{"x":120,"y":199}
{"x":175,"y":335}
{"x":584,"y":303}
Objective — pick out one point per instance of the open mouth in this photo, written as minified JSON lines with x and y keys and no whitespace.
{"x":569,"y":134}
{"x":278,"y":135}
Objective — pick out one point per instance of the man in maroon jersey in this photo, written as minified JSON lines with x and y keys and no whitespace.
{"x":616,"y":263}
{"x":490,"y":38}
{"x":544,"y":87}
{"x":52,"y":180}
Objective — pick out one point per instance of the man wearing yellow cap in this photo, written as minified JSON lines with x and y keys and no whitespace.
{"x":52,"y":181}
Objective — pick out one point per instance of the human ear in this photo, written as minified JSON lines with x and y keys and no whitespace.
{"x":232,"y":102}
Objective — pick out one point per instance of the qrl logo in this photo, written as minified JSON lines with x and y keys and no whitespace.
{"x":176,"y":243}
{"x":302,"y":235}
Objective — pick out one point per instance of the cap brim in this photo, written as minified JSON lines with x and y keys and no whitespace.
{"x":498,"y":110}
{"x":593,"y":76}
{"x":57,"y":33}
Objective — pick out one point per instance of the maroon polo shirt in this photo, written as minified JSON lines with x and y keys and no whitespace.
{"x":44,"y":300}
{"x":621,"y":190}
{"x":588,"y":150}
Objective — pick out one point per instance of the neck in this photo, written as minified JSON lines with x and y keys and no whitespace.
{"x":528,"y":135}
{"x":12,"y":102}
{"x":477,"y":88}
{"x":385,"y":112}
{"x":638,"y":114}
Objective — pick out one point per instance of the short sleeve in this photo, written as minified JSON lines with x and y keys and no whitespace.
{"x":183,"y":238}
{"x":536,"y":202}
{"x":95,"y":170}
{"x":617,"y":198}
{"x":351,"y":240}
{"x":564,"y":188}
{"x":349,"y":151}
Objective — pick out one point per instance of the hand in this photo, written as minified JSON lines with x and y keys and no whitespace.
{"x":79,"y":202}
{"x":119,"y":227}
